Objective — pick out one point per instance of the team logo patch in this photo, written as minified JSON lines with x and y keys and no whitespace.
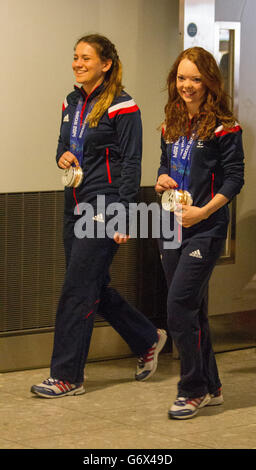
{"x":200,"y":144}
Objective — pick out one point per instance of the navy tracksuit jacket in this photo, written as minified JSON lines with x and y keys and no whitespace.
{"x":112,"y":167}
{"x":112,"y":150}
{"x":216,"y":167}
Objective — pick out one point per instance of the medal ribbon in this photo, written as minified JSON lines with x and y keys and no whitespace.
{"x":180,"y":158}
{"x":78,"y":132}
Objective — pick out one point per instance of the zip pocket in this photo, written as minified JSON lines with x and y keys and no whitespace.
{"x":212,"y":186}
{"x":108,"y":166}
{"x":75,"y":198}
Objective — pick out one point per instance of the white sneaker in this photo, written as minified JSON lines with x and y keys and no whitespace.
{"x":185,"y":408}
{"x":147,"y":363}
{"x":53,"y":388}
{"x":216,"y":398}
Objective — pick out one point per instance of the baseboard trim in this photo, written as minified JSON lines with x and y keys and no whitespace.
{"x":231,"y":331}
{"x":33,"y":351}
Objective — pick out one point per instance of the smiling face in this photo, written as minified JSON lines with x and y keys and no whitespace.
{"x":190,"y":85}
{"x":88,"y":68}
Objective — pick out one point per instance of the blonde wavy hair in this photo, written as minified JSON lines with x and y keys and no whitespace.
{"x":214,"y":108}
{"x":113,"y":78}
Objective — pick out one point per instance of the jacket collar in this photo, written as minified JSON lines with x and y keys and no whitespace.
{"x":92,"y":95}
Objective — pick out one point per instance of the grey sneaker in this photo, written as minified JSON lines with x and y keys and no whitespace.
{"x":147,"y":364}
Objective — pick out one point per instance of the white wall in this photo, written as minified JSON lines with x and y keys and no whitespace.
{"x":233,"y":287}
{"x":37,"y":39}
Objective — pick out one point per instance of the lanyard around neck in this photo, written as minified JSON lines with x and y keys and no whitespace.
{"x":180,"y":157}
{"x":78,"y":131}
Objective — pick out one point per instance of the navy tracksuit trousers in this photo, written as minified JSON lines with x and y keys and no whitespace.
{"x":86,"y":292}
{"x":187,"y":271}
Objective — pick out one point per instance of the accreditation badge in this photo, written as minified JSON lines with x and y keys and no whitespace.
{"x":73,"y":176}
{"x":173,"y":197}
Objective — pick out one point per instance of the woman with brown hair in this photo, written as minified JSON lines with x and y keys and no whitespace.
{"x":201,"y":170}
{"x":99,"y":150}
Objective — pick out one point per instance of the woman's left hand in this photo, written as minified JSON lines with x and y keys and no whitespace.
{"x":121,"y":238}
{"x":187,"y":216}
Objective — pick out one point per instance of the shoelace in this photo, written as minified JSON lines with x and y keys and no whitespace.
{"x":141,"y":362}
{"x":181,"y":401}
{"x":50,"y":381}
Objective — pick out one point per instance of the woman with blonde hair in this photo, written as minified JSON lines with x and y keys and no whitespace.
{"x":99,"y":150}
{"x":201,"y":170}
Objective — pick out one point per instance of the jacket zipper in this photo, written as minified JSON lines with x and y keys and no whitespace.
{"x":108,"y":166}
{"x":81,"y":121}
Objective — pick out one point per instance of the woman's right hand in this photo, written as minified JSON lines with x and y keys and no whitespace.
{"x":66,"y":160}
{"x":165,"y":182}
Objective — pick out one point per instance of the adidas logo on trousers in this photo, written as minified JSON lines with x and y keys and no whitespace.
{"x":196,"y":254}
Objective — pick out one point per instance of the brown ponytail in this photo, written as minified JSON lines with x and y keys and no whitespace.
{"x":113,"y":79}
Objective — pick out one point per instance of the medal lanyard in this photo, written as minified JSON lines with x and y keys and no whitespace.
{"x":180,"y":157}
{"x":78,"y":131}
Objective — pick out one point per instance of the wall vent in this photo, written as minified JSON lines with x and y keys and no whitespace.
{"x":32,"y":263}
